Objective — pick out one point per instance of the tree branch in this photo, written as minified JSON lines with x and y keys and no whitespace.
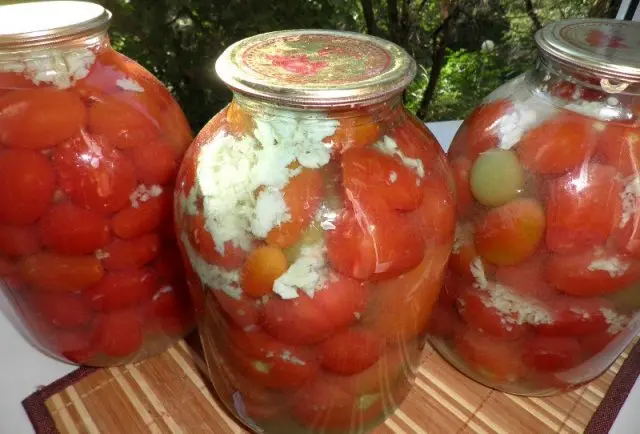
{"x":392,"y":15}
{"x":440,"y":38}
{"x":528,"y":4}
{"x":369,"y":17}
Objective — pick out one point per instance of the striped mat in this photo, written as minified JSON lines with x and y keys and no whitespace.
{"x":167,"y":394}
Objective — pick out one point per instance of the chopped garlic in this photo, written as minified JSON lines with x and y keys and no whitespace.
{"x":477,"y":271}
{"x":216,"y":278}
{"x":523,"y":116}
{"x":288,"y":357}
{"x":630,"y":196}
{"x":458,"y":239}
{"x":143,"y":194}
{"x":164,"y":290}
{"x":306,"y":273}
{"x":388,"y":146}
{"x":616,"y":321}
{"x":270,"y":211}
{"x":393,"y":177}
{"x":614,"y":266}
{"x":101,"y":254}
{"x":526,"y":311}
{"x":129,"y":84}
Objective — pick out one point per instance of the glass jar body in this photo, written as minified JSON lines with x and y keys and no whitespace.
{"x":90,"y":143}
{"x":317,"y":243}
{"x":542,"y":288}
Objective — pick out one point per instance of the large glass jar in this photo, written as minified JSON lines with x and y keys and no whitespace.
{"x":543,"y":288}
{"x":90,"y":143}
{"x":317,"y":215}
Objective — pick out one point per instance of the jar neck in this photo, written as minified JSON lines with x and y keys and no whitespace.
{"x":388,"y":111}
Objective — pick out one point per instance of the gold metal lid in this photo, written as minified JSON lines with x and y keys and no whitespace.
{"x":316,"y":68}
{"x":609,"y":49}
{"x":25,"y":25}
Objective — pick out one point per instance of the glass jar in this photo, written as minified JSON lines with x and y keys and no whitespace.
{"x":317,"y":215}
{"x":543,"y":286}
{"x":90,"y":143}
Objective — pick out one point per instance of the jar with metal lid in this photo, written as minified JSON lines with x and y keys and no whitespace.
{"x":543,"y":287}
{"x":90,"y":144}
{"x":317,"y":215}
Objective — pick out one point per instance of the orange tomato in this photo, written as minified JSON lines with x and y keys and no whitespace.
{"x":239,"y":121}
{"x":94,"y":174}
{"x":400,"y":308}
{"x":27,"y":184}
{"x":125,"y":119}
{"x":367,"y":171}
{"x":510,"y":233}
{"x":133,"y":222}
{"x":464,"y":199}
{"x":18,"y":240}
{"x":54,"y":273}
{"x":587,"y":273}
{"x":155,"y":162}
{"x":40,"y":118}
{"x":262,"y":267}
{"x":202,"y":240}
{"x":121,"y":290}
{"x":557,"y":145}
{"x":620,"y":147}
{"x":582,"y":208}
{"x":350,"y":351}
{"x":133,"y":253}
{"x":355,"y":130}
{"x":303,"y":195}
{"x":119,"y":333}
{"x":71,"y":230}
{"x":478,"y":132}
{"x":491,"y":356}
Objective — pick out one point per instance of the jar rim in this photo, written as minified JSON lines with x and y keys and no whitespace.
{"x":316,"y":68}
{"x":50,"y":22}
{"x":603,"y":47}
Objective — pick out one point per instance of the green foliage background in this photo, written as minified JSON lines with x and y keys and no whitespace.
{"x":179,"y":40}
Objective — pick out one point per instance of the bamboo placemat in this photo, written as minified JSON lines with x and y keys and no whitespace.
{"x":167,"y":394}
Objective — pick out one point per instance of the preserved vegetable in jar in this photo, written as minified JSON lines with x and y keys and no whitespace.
{"x":543,"y":287}
{"x":90,"y":144}
{"x":317,"y":216}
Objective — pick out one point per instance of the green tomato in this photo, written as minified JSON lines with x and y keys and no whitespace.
{"x":496,"y":177}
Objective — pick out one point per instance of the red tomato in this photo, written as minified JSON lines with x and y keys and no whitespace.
{"x":627,"y":237}
{"x":351,"y":351}
{"x":119,"y":333}
{"x":510,"y":233}
{"x":40,"y":118}
{"x":74,"y":345}
{"x":48,"y":272}
{"x":10,"y":81}
{"x":464,"y":253}
{"x":326,"y":406}
{"x":153,"y":88}
{"x":620,"y":147}
{"x":202,"y":240}
{"x":27,"y":184}
{"x":489,"y":355}
{"x":444,"y":320}
{"x":464,"y":199}
{"x":367,"y":171}
{"x":436,"y":217}
{"x":528,"y":278}
{"x":416,"y":141}
{"x":303,"y":195}
{"x":479,"y":131}
{"x":176,"y":128}
{"x":399,"y":308}
{"x":585,"y":274}
{"x":7,"y":268}
{"x":155,"y":162}
{"x":126,"y":119}
{"x":373,"y":240}
{"x":558,"y":145}
{"x":270,"y":363}
{"x":574,"y":317}
{"x":71,"y":230}
{"x":552,"y":354}
{"x":169,"y":266}
{"x":94,"y":174}
{"x":582,"y":208}
{"x":18,"y":240}
{"x":133,"y":222}
{"x":60,"y":310}
{"x":121,"y":289}
{"x":171,"y":310}
{"x":475,"y":308}
{"x":243,"y":312}
{"x":596,"y":343}
{"x":103,"y":76}
{"x":133,"y":253}
{"x":306,"y":320}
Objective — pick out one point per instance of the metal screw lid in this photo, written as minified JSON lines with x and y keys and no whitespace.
{"x":26,"y":25}
{"x":607,"y":48}
{"x":317,"y":68}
